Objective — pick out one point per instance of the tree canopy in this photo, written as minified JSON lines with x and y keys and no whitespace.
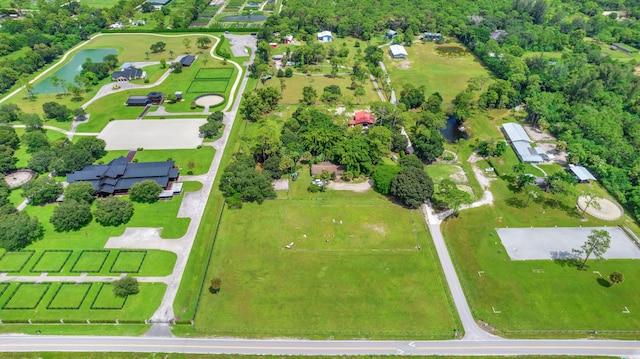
{"x":113,"y":211}
{"x":412,"y":187}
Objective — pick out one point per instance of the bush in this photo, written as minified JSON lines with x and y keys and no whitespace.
{"x":314,"y":188}
{"x":288,"y":72}
{"x":113,"y":211}
{"x":145,"y":191}
{"x":193,"y":105}
{"x":347,"y":176}
{"x":383,"y":176}
{"x":43,"y":189}
{"x":125,"y":286}
{"x":79,"y":191}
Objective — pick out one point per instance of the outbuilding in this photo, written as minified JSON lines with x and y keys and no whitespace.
{"x":398,"y":52}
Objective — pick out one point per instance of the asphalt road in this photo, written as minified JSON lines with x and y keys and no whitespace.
{"x":24,"y":343}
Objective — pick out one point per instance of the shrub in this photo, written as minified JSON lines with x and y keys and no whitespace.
{"x":71,"y":216}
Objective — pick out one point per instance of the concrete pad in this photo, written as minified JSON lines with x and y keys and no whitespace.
{"x":152,"y":134}
{"x":557,"y":243}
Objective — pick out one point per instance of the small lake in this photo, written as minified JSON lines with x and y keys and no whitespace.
{"x":69,"y":71}
{"x":452,"y":131}
{"x":244,"y":18}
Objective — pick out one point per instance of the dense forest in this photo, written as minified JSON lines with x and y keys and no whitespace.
{"x":589,"y":100}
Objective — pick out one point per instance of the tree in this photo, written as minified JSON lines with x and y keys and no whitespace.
{"x":399,"y":142}
{"x":7,"y":160}
{"x":159,"y":47}
{"x":203,"y":42}
{"x":9,"y":137}
{"x":18,"y":230}
{"x":382,"y":177}
{"x":616,"y":277}
{"x":283,"y":86}
{"x":427,"y":142}
{"x":55,"y":111}
{"x":36,"y":141}
{"x":82,"y":192}
{"x":210,"y":129}
{"x":591,"y":200}
{"x":288,"y":72}
{"x":187,"y":44}
{"x":176,"y":67}
{"x":39,"y":162}
{"x":9,"y":112}
{"x":597,"y":244}
{"x":145,"y":192}
{"x":125,"y":286}
{"x":41,"y":190}
{"x":242,"y":181}
{"x":113,"y":211}
{"x":111,"y":60}
{"x":449,"y":196}
{"x":411,"y":96}
{"x":71,"y":215}
{"x":412,"y":187}
{"x":215,"y":285}
{"x":411,"y":161}
{"x":32,"y":121}
{"x":309,"y":95}
{"x":95,"y":146}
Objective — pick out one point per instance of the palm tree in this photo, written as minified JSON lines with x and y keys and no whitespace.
{"x":146,"y":53}
{"x":283,"y":86}
{"x":171,"y":53}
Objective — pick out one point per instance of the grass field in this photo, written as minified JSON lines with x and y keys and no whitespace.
{"x":69,"y":296}
{"x":100,"y":3}
{"x":537,"y":295}
{"x":292,"y":94}
{"x":14,"y":261}
{"x":208,"y":86}
{"x":51,"y":261}
{"x":363,"y":283}
{"x":200,"y":157}
{"x":437,"y":73}
{"x":47,"y":355}
{"x":90,"y":261}
{"x":37,"y":296}
{"x":128,"y":262}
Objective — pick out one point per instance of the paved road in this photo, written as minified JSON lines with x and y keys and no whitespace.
{"x":319,"y":347}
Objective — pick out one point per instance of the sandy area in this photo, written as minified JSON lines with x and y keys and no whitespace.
{"x":209,"y":100}
{"x":609,"y":210}
{"x":152,"y":134}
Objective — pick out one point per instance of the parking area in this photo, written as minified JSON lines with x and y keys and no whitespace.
{"x":557,"y":243}
{"x":152,"y":134}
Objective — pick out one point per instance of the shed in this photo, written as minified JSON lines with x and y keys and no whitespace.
{"x":187,"y":60}
{"x":623,"y":48}
{"x":398,"y":52}
{"x":325,"y":36}
{"x":581,"y":173}
{"x":391,"y":34}
{"x":497,"y":34}
{"x":526,"y":153}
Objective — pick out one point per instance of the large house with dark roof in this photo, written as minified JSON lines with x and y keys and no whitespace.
{"x":119,"y":175}
{"x":128,"y":74}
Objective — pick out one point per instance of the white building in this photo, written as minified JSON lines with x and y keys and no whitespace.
{"x":325,"y":36}
{"x":398,"y":52}
{"x":522,"y":143}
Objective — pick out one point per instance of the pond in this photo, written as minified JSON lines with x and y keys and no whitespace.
{"x":451,"y":50}
{"x":244,"y":18}
{"x":453,"y":130}
{"x":72,"y":68}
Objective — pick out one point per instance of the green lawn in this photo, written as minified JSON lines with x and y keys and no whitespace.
{"x":553,"y":297}
{"x":136,"y":308}
{"x":21,"y":153}
{"x":200,"y":157}
{"x":358,"y":279}
{"x":100,"y":3}
{"x":438,"y":172}
{"x":51,"y":261}
{"x":90,"y":261}
{"x":24,"y":296}
{"x":14,"y":261}
{"x":106,"y":299}
{"x":424,"y":66}
{"x":69,"y":296}
{"x":128,"y":262}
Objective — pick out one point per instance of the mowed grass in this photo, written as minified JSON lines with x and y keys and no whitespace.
{"x":14,"y":261}
{"x":292,"y":93}
{"x":25,"y":296}
{"x":424,"y":66}
{"x":51,"y":261}
{"x":90,"y":261}
{"x":555,"y":296}
{"x":69,"y":296}
{"x":138,"y":307}
{"x":200,"y":157}
{"x":363,"y":278}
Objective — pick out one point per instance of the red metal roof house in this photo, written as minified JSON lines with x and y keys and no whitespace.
{"x":362,"y":118}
